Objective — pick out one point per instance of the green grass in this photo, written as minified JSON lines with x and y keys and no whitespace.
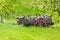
{"x":15,"y":32}
{"x":9,"y":31}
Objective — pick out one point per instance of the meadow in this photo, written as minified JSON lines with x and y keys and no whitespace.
{"x":10,"y":9}
{"x":11,"y":31}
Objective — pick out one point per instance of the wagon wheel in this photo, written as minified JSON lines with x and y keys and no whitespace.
{"x":42,"y":23}
{"x":19,"y":22}
{"x":38,"y":22}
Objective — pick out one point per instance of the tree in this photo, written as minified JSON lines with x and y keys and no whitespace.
{"x":5,"y":9}
{"x":55,"y":4}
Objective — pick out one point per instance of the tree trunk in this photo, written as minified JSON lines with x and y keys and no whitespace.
{"x":58,"y":10}
{"x":1,"y":18}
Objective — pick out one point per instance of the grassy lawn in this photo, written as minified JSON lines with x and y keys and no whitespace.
{"x":10,"y":9}
{"x":15,"y":32}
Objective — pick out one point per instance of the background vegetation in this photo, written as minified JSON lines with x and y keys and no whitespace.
{"x":10,"y":9}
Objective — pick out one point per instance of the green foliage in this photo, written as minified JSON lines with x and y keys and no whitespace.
{"x":25,"y":6}
{"x":13,"y":8}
